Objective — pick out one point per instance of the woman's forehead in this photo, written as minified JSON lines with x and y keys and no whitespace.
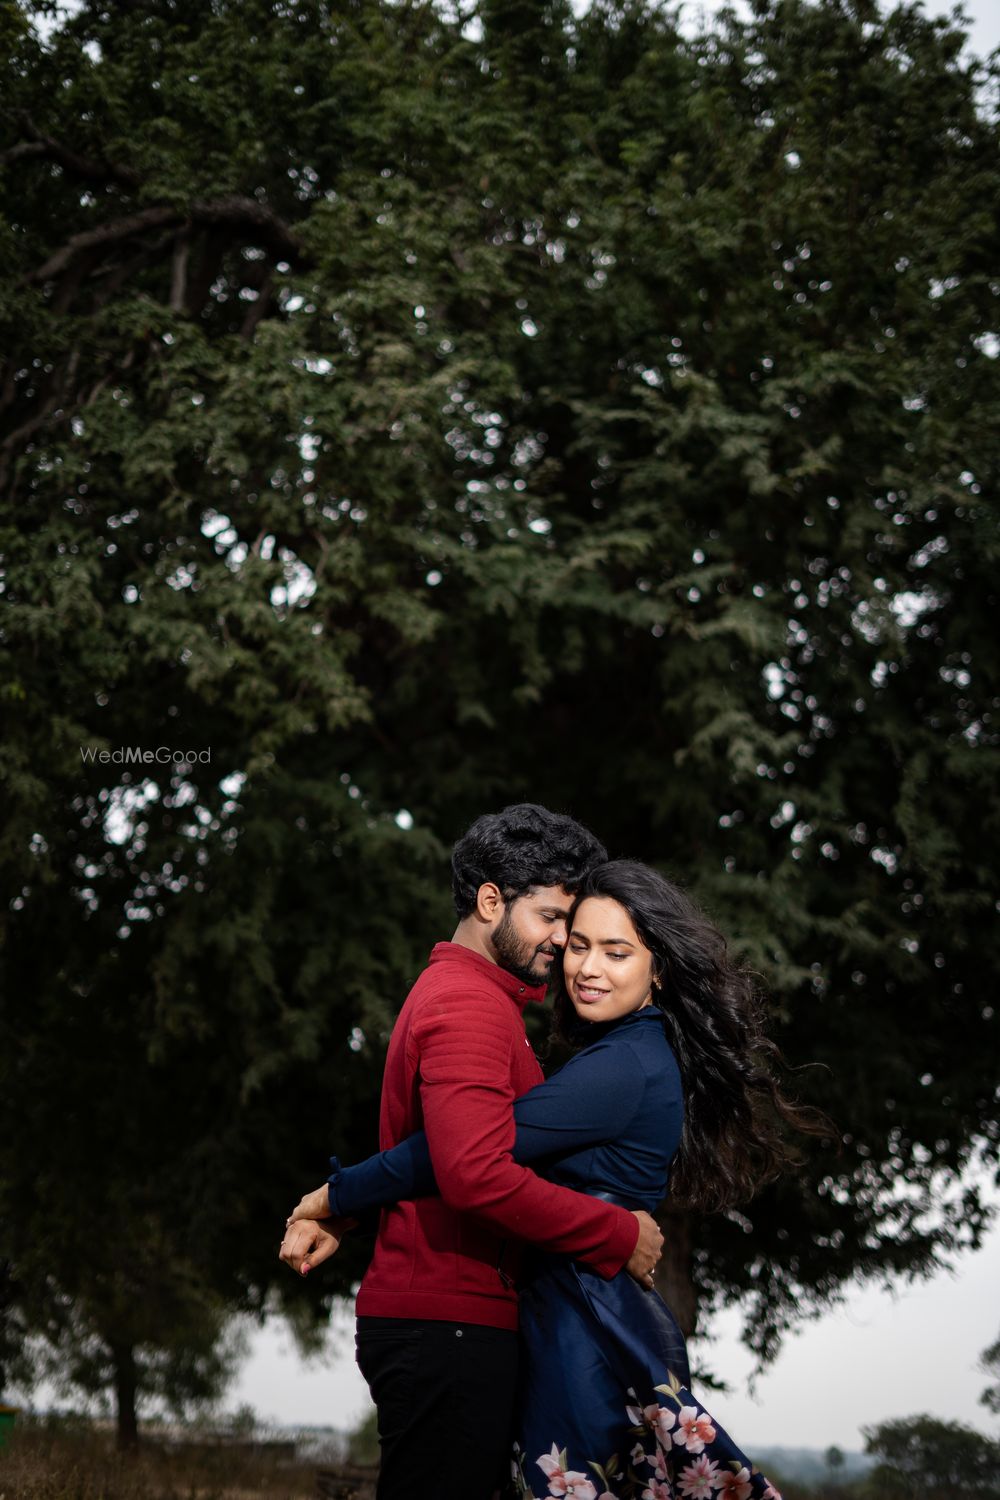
{"x":605,"y":920}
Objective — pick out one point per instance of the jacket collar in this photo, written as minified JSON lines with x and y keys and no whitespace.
{"x":582,"y":1033}
{"x":522,"y":994}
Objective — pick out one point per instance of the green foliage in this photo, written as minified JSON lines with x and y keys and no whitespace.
{"x":990,"y":1363}
{"x":420,"y":417}
{"x":362,"y":1444}
{"x":834,"y":1459}
{"x":921,"y":1456}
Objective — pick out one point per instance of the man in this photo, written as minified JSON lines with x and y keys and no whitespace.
{"x":437,"y":1309}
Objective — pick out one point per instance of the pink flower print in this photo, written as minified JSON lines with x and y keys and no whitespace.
{"x":657,"y":1490}
{"x":657,"y":1418}
{"x":658,"y":1462}
{"x":698,"y":1480}
{"x":661,"y":1420}
{"x":638,"y":1453}
{"x":694,"y":1429}
{"x":771,"y":1493}
{"x":736,"y":1486}
{"x":551,"y":1463}
{"x":565,"y":1481}
{"x":576,"y":1486}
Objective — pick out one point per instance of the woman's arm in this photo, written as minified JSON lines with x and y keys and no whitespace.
{"x":405,"y":1171}
{"x":590,"y":1100}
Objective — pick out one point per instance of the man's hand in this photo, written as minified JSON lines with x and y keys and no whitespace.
{"x":313,"y":1206}
{"x":308,"y":1243}
{"x":648,"y":1249}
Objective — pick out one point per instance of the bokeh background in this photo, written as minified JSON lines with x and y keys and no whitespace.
{"x":411,"y":408}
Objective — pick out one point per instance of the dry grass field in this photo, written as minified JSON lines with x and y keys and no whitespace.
{"x":43,"y":1461}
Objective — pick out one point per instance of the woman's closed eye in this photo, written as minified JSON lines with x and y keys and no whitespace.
{"x":584,"y":948}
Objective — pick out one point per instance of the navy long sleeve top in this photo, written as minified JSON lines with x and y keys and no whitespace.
{"x":608,"y":1123}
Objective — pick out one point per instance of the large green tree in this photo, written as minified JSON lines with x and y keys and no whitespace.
{"x":408,"y":411}
{"x":922,"y":1456}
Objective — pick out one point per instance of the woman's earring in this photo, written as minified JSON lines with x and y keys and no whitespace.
{"x":657,"y":982}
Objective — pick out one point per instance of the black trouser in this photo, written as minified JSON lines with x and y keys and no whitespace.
{"x":445,"y":1399}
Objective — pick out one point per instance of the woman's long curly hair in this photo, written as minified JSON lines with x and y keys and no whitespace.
{"x":736,"y":1118}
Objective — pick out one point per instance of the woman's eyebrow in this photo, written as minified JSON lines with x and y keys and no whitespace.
{"x":604,"y":942}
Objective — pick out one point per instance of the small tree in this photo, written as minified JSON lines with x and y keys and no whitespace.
{"x":362,"y":1442}
{"x":834,"y":1459}
{"x":143,"y":1329}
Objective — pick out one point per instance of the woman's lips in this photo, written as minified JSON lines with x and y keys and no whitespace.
{"x":584,"y":993}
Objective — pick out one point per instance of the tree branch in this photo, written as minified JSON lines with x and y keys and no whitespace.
{"x":58,"y":389}
{"x":71,"y":282}
{"x":90,"y":169}
{"x":114,"y":280}
{"x":105,"y":234}
{"x":256,"y":311}
{"x":23,"y":148}
{"x":235,"y":216}
{"x":255,"y":221}
{"x":8,"y":391}
{"x":178,"y":273}
{"x":206,"y":269}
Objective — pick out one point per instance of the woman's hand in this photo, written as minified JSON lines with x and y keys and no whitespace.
{"x":648,"y":1249}
{"x":308,"y":1243}
{"x":314,"y":1205}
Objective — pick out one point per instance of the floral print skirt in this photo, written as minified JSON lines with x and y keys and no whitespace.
{"x":605,"y":1412}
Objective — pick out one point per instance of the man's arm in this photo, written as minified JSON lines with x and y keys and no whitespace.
{"x":467,"y":1098}
{"x":590,"y":1101}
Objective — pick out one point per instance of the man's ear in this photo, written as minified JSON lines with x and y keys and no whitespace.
{"x":489,"y":902}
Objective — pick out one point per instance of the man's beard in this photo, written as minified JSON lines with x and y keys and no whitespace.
{"x":518,"y":957}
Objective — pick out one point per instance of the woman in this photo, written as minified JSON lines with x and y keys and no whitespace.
{"x":668,"y":1079}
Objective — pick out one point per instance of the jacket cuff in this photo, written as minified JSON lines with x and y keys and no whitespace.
{"x":331,"y":1187}
{"x":617,"y":1249}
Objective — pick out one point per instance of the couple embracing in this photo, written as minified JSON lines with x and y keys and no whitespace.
{"x":508,"y":1327}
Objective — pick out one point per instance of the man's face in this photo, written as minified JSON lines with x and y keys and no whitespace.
{"x":531,"y":931}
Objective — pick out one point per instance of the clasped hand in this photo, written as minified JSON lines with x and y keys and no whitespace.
{"x":311,"y":1235}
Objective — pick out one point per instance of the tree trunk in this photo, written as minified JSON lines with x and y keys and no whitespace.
{"x":673,"y":1277}
{"x":125,"y":1394}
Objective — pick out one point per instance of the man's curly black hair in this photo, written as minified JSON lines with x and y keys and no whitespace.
{"x":523,"y":846}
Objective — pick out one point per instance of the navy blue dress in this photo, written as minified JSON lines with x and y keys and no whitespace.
{"x":604,"y":1408}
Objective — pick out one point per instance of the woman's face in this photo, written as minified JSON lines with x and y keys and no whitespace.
{"x":607,"y":968}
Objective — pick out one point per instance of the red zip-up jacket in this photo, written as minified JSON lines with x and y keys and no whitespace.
{"x":457,"y":1060}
